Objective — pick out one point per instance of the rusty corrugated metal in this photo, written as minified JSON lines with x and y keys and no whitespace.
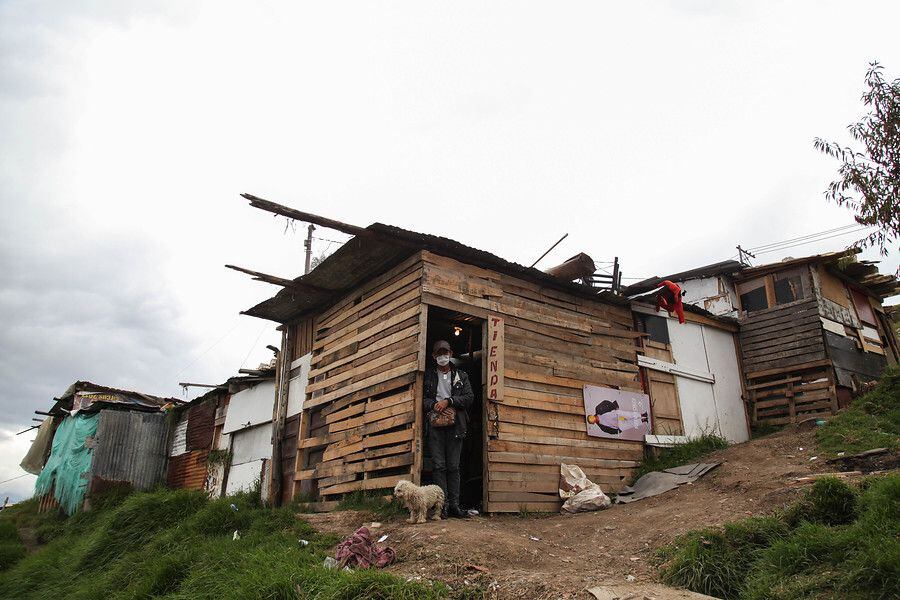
{"x":188,"y":470}
{"x":201,"y":421}
{"x":131,"y":447}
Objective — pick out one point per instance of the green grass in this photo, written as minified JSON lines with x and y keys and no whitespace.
{"x":382,"y":509}
{"x":12,"y":550}
{"x":177,"y":544}
{"x":687,"y":453}
{"x":837,"y":542}
{"x":871,"y":421}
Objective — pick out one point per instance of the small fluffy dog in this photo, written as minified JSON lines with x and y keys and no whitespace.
{"x":419,"y":500}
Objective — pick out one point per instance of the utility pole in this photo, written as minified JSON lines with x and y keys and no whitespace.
{"x":742,"y":254}
{"x":308,"y":245}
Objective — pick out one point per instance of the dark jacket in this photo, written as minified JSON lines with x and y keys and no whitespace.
{"x":461,"y":396}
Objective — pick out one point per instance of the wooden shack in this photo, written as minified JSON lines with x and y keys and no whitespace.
{"x":366,"y":318}
{"x":812,"y":329}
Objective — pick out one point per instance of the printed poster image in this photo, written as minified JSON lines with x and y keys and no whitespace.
{"x":616,"y":414}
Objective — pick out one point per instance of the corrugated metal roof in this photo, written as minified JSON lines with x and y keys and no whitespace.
{"x":109,"y":396}
{"x":131,"y":447}
{"x":725,"y":266}
{"x":361,"y":259}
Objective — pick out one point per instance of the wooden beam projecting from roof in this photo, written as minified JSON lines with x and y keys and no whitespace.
{"x":275,"y":280}
{"x":292,"y":213}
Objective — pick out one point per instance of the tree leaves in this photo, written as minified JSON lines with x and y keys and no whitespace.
{"x":869,"y":180}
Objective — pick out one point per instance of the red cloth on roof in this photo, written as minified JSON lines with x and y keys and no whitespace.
{"x":669,"y":298}
{"x":359,"y":550}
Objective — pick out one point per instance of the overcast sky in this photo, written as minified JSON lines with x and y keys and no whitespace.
{"x":664,"y":133}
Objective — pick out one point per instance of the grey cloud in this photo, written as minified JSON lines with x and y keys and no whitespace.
{"x":82,"y":308}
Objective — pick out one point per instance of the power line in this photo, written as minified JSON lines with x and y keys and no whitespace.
{"x":802,"y":237}
{"x":14,"y":478}
{"x":813,"y":241}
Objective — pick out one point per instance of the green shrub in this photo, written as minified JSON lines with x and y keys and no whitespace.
{"x":871,"y":421}
{"x":837,"y":542}
{"x":716,"y":561}
{"x":829,"y":502}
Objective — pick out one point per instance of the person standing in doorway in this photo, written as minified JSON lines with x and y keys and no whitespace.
{"x":447,"y":396}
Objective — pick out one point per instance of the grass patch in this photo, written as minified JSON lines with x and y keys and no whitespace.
{"x":177,"y":544}
{"x":686,"y":453}
{"x":871,"y":421}
{"x":837,"y":542}
{"x":378,"y":505}
{"x":11,"y":548}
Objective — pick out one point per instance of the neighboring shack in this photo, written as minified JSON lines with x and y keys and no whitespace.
{"x":366,"y":317}
{"x":693,"y":374}
{"x":102,"y":437}
{"x":811,"y":329}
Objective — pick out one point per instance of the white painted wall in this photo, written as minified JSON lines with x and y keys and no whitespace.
{"x":297,"y":384}
{"x":249,"y":448}
{"x":250,"y":407}
{"x":716,"y":407}
{"x":723,"y":361}
{"x":705,"y":350}
{"x":708,"y":295}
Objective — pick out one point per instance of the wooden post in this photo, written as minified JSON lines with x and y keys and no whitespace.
{"x":283,"y":379}
{"x":770,"y":291}
{"x":419,"y":422}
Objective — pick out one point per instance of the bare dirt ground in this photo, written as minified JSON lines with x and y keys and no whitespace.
{"x":559,"y":556}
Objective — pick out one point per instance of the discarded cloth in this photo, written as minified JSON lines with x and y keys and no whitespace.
{"x":360,"y":551}
{"x":38,"y":453}
{"x":658,"y":482}
{"x":580,"y":493}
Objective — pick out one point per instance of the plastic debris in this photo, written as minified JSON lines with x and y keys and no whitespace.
{"x":330,"y":563}
{"x":374,"y":525}
{"x":382,"y":538}
{"x":303,"y":542}
{"x":630,"y":578}
{"x":472,"y":512}
{"x":236,"y":536}
{"x":580,"y":493}
{"x":234,"y":508}
{"x":534,"y":539}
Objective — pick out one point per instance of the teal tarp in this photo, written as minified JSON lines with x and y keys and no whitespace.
{"x":69,"y":462}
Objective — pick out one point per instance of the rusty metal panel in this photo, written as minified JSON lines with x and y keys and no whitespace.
{"x":201,"y":421}
{"x":131,"y":447}
{"x":188,"y":470}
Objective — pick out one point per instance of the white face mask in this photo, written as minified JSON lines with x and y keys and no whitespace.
{"x":443,"y":360}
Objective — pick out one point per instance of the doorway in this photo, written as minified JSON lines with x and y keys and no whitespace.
{"x":465,"y":334}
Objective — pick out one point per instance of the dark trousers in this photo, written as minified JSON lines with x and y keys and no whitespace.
{"x":445,"y":450}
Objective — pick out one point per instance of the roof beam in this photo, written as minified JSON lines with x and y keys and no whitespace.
{"x":292,"y":213}
{"x":275,"y":280}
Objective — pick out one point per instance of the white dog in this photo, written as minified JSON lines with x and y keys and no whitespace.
{"x":419,"y":500}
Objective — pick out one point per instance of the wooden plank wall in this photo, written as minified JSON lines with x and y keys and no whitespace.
{"x":356,"y":431}
{"x":784,"y":336}
{"x":555,"y":343}
{"x":793,"y":394}
{"x":666,"y":408}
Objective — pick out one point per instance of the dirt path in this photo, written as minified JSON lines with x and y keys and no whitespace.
{"x":573,"y":552}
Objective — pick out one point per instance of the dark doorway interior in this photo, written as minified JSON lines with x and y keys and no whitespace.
{"x":465,"y":334}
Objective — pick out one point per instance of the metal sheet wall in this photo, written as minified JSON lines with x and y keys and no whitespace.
{"x":131,"y":447}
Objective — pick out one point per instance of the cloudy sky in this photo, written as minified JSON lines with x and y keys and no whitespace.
{"x":664,"y":133}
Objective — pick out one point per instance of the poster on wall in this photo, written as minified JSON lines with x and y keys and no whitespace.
{"x":616,"y":414}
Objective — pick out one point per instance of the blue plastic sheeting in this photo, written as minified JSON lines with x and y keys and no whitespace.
{"x":69,"y":462}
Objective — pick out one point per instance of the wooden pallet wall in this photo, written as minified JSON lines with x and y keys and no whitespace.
{"x":554,"y":344}
{"x":783,"y":336}
{"x":792,"y":394}
{"x":357,"y":426}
